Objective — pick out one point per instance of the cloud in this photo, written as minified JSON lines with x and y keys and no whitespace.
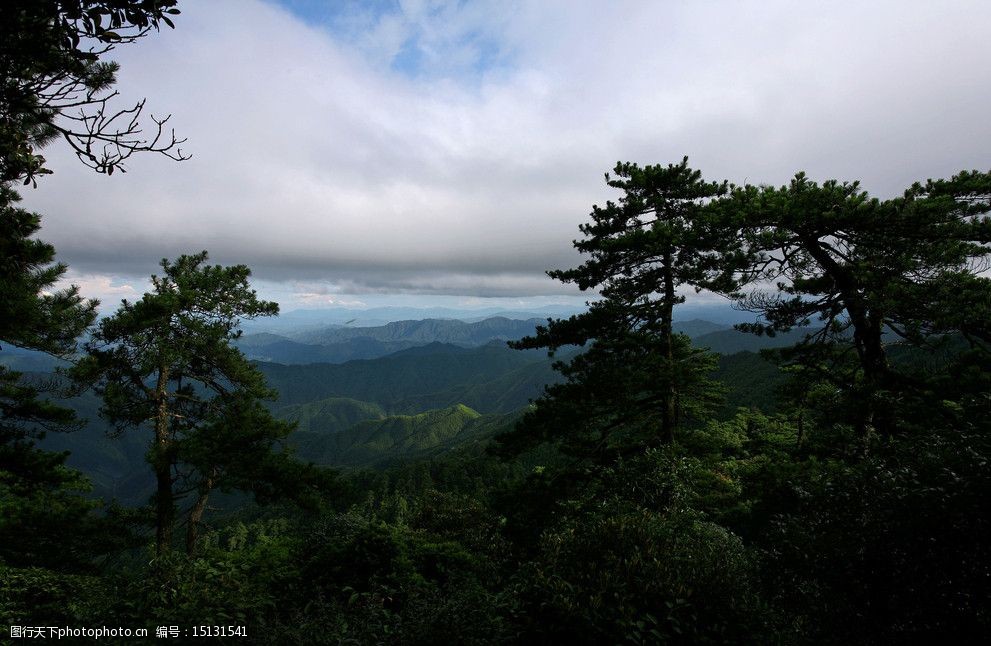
{"x":311,"y":298}
{"x":109,"y":290}
{"x":310,"y":294}
{"x":453,"y":148}
{"x":426,"y":38}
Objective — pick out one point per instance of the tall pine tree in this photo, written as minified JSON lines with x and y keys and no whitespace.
{"x":638,"y":379}
{"x":166,"y":362}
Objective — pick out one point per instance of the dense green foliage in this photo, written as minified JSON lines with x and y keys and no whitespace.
{"x":863,"y":267}
{"x":639,"y":376}
{"x":167,"y":362}
{"x":39,"y":496}
{"x":402,"y":437}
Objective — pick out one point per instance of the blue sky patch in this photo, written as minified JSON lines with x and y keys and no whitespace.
{"x":428,"y":40}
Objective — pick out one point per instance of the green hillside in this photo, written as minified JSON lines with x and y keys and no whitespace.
{"x":330,"y":415}
{"x":417,"y":375}
{"x":114,"y":463}
{"x":504,"y":393}
{"x":751,"y":381}
{"x":401,"y":437}
{"x":325,"y":399}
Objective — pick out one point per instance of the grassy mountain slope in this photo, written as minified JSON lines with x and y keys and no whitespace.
{"x":505,"y":393}
{"x":327,"y":399}
{"x":330,"y":415}
{"x":402,"y":437}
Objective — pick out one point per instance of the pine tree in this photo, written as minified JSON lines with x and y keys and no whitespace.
{"x":57,"y":84}
{"x":38,"y":493}
{"x":639,"y":379}
{"x":167,"y":362}
{"x":858,"y":269}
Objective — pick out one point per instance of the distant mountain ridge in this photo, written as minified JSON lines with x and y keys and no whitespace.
{"x":429,"y":330}
{"x":731,"y":341}
{"x":337,"y":344}
{"x":292,"y":321}
{"x":695,"y":328}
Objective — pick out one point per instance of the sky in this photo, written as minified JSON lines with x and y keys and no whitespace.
{"x":436,"y":153}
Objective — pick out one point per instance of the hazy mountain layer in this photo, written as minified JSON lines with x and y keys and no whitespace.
{"x":429,"y":331}
{"x":299,"y":320}
{"x":731,"y":341}
{"x":337,"y":344}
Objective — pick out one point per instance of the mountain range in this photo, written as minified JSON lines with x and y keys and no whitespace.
{"x":338,"y":344}
{"x":450,"y":384}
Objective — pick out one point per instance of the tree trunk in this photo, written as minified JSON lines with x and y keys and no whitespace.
{"x":164,"y":502}
{"x":867,"y":331}
{"x":196,"y":513}
{"x":667,"y":331}
{"x":874,"y":362}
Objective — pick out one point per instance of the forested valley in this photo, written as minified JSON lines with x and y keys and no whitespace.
{"x":811,"y":468}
